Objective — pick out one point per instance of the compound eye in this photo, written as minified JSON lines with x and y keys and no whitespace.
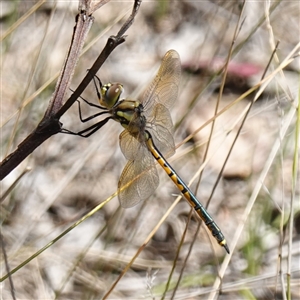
{"x":111,"y":94}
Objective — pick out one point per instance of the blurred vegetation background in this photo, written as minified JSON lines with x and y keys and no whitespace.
{"x":70,"y":175}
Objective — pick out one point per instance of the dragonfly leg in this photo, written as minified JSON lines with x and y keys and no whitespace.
{"x":100,"y":85}
{"x":83,"y":120}
{"x":90,"y":103}
{"x":88,"y":131}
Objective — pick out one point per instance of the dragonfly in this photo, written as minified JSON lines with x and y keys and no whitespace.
{"x":147,"y":137}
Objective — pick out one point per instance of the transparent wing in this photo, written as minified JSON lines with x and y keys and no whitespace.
{"x":139,"y":178}
{"x":158,"y":99}
{"x":161,"y":128}
{"x":164,"y":87}
{"x":142,"y":180}
{"x":131,"y":147}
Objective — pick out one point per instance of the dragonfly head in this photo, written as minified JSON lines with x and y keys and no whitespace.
{"x":110,"y":94}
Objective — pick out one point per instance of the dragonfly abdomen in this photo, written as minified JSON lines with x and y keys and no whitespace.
{"x":190,"y":197}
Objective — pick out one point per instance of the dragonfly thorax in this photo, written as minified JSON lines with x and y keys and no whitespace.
{"x":130,"y":114}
